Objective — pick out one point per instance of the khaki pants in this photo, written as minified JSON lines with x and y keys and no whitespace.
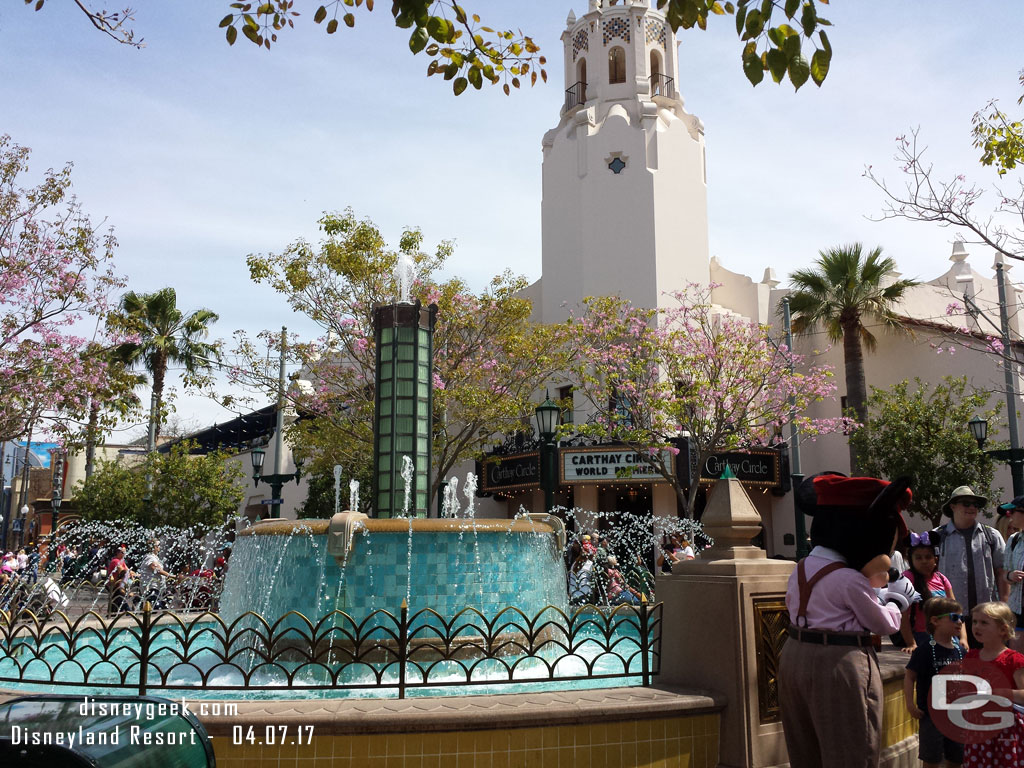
{"x":831,"y":702}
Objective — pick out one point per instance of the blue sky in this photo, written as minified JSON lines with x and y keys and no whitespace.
{"x":199,"y":154}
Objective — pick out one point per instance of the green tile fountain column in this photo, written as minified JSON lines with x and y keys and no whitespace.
{"x":404,"y":334}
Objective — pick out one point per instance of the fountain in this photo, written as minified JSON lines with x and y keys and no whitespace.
{"x":305,"y":601}
{"x":358,"y":564}
{"x":393,"y":604}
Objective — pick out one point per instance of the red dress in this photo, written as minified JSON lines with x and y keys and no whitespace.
{"x":1006,"y":748}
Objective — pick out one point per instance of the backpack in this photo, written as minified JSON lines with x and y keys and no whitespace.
{"x":1016,"y":538}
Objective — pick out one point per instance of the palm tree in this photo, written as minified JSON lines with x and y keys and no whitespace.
{"x":165,"y":336}
{"x":844,"y":290}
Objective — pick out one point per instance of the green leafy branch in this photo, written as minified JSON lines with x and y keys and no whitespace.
{"x":467,"y":52}
{"x":260,"y":22}
{"x":1000,"y":139}
{"x":507,"y":56}
{"x":777,"y":50}
{"x":461,"y":48}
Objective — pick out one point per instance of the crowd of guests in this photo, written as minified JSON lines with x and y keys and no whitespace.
{"x":597,"y":578}
{"x":23,"y":564}
{"x":127,"y":583}
{"x":20,"y":587}
{"x":598,"y":575}
{"x":969,"y":576}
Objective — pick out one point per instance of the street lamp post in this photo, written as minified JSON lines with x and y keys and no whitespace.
{"x":1016,"y":473}
{"x":275,"y":481}
{"x":58,"y":489}
{"x":979,"y":430}
{"x":23,"y":516}
{"x":1012,"y":456}
{"x":803,"y":543}
{"x":56,"y":509}
{"x":547,"y":421}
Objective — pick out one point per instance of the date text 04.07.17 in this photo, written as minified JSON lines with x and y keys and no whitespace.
{"x":272,"y":735}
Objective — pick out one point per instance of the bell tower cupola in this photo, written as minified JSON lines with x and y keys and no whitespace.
{"x":625,"y":202}
{"x":618,"y":49}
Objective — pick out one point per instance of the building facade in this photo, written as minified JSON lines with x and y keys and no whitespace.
{"x":624,"y":213}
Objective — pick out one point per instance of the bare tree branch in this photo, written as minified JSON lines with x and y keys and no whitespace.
{"x":925,"y":197}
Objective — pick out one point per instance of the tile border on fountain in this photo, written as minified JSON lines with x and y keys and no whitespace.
{"x":280,"y":527}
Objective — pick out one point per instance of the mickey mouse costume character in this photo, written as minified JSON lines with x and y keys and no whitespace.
{"x":839,"y":599}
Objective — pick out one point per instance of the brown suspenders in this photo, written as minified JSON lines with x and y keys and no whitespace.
{"x":806,"y":585}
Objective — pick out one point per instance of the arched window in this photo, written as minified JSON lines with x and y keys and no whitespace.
{"x":616,"y":65}
{"x":658,"y":81}
{"x":581,"y":78}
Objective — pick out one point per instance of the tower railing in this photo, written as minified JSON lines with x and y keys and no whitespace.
{"x":575,"y":95}
{"x":661,"y":85}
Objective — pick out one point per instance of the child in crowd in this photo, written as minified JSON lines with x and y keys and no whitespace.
{"x":619,"y":592}
{"x":929,"y":582}
{"x":993,"y":628}
{"x":944,"y":622}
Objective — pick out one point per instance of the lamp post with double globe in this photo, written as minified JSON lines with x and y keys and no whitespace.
{"x":275,"y":481}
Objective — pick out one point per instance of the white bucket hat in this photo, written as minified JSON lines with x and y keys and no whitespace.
{"x":963,"y":492}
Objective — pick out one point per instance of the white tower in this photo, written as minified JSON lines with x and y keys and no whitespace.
{"x":625,"y":202}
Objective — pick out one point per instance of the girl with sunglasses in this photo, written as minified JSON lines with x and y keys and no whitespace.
{"x":945,"y":623}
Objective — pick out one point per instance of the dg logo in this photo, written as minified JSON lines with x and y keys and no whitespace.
{"x":971,"y":702}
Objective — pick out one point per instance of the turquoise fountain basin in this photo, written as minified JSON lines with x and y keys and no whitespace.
{"x":446,"y":565}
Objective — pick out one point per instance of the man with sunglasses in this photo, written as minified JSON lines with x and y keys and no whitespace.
{"x":971,"y":553}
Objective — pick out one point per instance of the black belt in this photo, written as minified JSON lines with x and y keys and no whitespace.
{"x":859,"y":639}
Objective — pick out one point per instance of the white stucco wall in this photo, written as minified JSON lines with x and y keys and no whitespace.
{"x":75,"y":473}
{"x":900,"y":357}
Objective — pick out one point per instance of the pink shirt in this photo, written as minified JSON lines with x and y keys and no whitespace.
{"x":936,"y":586}
{"x":843,"y":601}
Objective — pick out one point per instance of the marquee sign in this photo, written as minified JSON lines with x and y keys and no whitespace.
{"x":518,"y":472}
{"x":755,"y":468}
{"x":609,"y":465}
{"x":758,"y":468}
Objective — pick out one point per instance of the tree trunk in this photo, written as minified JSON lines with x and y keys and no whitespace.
{"x":689,"y":500}
{"x":159,"y":372}
{"x":856,"y":388}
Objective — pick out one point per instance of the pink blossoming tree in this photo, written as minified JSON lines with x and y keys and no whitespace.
{"x":55,"y":279}
{"x":647,"y":376}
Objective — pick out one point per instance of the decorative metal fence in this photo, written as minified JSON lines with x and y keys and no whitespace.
{"x":575,"y":95}
{"x":159,"y":650}
{"x":661,"y":85}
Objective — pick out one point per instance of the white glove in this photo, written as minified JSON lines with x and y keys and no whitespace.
{"x":901,"y":592}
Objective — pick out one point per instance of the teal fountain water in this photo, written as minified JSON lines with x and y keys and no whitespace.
{"x":359,"y":565}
